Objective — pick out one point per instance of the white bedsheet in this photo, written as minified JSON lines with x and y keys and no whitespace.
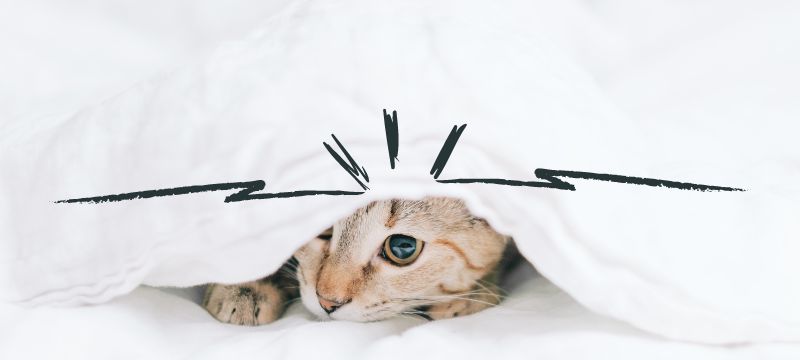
{"x":538,"y":321}
{"x":150,"y":97}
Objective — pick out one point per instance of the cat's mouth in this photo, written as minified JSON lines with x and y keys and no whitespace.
{"x":356,"y":312}
{"x":380,"y":311}
{"x":359,"y":314}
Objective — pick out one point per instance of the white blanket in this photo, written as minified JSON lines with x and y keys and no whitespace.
{"x":713,"y":108}
{"x":538,"y":321}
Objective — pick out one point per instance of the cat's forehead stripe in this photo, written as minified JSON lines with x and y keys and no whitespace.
{"x":392,"y":219}
{"x":370,"y":206}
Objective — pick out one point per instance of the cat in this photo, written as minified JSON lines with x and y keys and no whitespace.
{"x":428,"y":258}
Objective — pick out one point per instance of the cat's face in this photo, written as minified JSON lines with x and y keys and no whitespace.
{"x":391,"y":257}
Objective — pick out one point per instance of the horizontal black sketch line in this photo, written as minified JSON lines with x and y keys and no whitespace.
{"x":556,"y":184}
{"x":552,"y":180}
{"x":246,"y":193}
{"x":352,"y":168}
{"x":289,"y":194}
{"x":392,"y":136}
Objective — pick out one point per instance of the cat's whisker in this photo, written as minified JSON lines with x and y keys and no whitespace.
{"x":456,"y":295}
{"x":415,"y":315}
{"x":289,"y":272}
{"x":500,"y":290}
{"x":446,"y":298}
{"x":415,"y":312}
{"x":493,"y":294}
{"x":292,"y":301}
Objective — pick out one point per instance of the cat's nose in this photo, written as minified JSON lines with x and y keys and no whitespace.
{"x":329,"y":305}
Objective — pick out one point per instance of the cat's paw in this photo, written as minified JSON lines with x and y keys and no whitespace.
{"x":252,"y":303}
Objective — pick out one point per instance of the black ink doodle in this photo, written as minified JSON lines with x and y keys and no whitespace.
{"x":353,"y":169}
{"x":249,"y":190}
{"x":392,"y":135}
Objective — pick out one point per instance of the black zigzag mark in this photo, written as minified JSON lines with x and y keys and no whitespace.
{"x":247,"y":193}
{"x":552,"y":177}
{"x":248,"y":190}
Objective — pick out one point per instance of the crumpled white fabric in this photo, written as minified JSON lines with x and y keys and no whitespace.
{"x":705,"y":267}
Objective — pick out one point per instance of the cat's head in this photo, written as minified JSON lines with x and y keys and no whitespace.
{"x":391,"y":257}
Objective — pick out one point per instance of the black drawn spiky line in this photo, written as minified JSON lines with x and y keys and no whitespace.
{"x":552,"y":177}
{"x":250,"y":190}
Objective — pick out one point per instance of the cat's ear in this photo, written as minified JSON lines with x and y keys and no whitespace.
{"x":326,"y":235}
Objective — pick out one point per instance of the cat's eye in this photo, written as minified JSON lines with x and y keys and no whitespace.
{"x":401,"y":249}
{"x":326,"y":235}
